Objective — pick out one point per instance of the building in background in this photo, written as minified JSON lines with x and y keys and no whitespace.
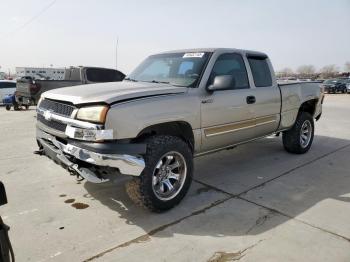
{"x":49,"y":73}
{"x":2,"y":75}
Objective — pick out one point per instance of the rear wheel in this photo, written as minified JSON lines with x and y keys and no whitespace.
{"x":298,"y":140}
{"x":167,"y":176}
{"x":8,"y":107}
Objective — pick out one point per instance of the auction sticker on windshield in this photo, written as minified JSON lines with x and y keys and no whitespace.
{"x":190,"y":55}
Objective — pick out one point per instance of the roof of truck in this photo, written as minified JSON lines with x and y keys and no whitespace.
{"x":197,"y":50}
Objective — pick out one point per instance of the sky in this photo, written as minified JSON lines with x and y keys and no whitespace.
{"x":84,"y":32}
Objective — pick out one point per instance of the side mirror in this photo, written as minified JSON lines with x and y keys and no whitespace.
{"x":222,"y":82}
{"x":3,"y":198}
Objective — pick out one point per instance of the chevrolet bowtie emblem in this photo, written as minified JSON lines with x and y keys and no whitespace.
{"x":47,"y":115}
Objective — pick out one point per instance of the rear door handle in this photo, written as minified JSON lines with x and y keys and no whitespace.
{"x":251,"y":99}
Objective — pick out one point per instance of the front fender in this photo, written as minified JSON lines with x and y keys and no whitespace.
{"x":128,"y":119}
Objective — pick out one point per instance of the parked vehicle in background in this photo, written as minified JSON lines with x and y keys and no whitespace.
{"x":7,"y":87}
{"x":10,"y":101}
{"x":335,"y":85}
{"x":174,"y":106}
{"x":28,"y":89}
{"x":347,"y":85}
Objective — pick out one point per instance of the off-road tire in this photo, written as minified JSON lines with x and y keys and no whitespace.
{"x":8,"y":107}
{"x":291,"y":138}
{"x":140,"y":188}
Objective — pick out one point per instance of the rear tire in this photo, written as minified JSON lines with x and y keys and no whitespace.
{"x":8,"y":107}
{"x":298,"y":140}
{"x":167,"y":175}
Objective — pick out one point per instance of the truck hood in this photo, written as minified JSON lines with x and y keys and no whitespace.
{"x":111,"y":92}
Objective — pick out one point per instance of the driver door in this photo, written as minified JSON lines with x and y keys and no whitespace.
{"x":227,"y":116}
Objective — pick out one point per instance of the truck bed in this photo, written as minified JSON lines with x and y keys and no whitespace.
{"x":294,"y":94}
{"x":31,"y":90}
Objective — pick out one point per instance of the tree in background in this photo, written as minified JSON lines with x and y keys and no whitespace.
{"x":329,"y":71}
{"x":306,"y":71}
{"x":285,"y":72}
{"x":347,"y":67}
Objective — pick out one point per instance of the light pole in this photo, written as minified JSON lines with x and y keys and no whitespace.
{"x":116,"y":54}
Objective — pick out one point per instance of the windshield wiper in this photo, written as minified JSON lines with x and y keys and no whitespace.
{"x":130,"y":79}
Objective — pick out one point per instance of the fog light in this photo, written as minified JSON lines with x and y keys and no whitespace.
{"x":89,"y":134}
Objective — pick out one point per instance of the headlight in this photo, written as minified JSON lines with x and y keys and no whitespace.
{"x":40,"y":100}
{"x":96,"y":114}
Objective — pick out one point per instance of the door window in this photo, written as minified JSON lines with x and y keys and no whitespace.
{"x":231,"y":64}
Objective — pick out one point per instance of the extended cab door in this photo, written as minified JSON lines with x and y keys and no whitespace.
{"x":226,"y":117}
{"x":266,"y":95}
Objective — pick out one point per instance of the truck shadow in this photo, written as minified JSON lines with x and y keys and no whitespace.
{"x":261,"y":172}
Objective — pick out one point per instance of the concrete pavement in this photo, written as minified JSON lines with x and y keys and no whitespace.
{"x":253,"y":203}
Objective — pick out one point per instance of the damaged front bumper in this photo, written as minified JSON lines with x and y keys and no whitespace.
{"x":100,"y":155}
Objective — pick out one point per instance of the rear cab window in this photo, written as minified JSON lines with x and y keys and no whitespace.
{"x":260,"y":70}
{"x":103,"y":75}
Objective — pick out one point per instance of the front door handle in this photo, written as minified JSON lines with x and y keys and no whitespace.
{"x":251,"y":99}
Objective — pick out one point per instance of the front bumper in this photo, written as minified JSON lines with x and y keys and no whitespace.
{"x":67,"y":153}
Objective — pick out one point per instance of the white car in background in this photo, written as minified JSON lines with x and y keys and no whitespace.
{"x":7,"y":87}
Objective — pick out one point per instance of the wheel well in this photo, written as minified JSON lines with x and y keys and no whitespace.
{"x":309,"y":106}
{"x":179,"y":128}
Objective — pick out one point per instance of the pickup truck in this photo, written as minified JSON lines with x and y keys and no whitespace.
{"x":173,"y":107}
{"x":29,"y":90}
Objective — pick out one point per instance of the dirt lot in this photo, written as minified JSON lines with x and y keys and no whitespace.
{"x":253,"y":203}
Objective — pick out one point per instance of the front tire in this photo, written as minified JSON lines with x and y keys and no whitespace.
{"x":298,"y":140}
{"x":167,"y":175}
{"x":8,"y":107}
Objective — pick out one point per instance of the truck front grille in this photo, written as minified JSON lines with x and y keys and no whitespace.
{"x":57,"y":107}
{"x":52,"y":123}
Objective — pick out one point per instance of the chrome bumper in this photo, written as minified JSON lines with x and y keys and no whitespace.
{"x":127,"y":164}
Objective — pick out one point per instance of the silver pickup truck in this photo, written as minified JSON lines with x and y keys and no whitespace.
{"x":174,"y":106}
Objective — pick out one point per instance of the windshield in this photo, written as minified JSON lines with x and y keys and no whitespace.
{"x":179,"y":69}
